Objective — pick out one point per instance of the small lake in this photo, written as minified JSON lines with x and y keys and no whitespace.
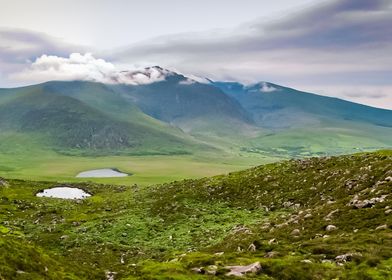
{"x":101,"y":173}
{"x":64,"y":193}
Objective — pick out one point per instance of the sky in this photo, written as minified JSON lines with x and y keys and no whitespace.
{"x":339,"y":48}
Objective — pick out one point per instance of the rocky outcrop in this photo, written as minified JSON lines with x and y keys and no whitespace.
{"x":366,"y":203}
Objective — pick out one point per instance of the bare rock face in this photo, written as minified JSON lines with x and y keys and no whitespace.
{"x":240,"y":271}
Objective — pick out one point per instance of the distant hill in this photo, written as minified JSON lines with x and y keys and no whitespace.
{"x":173,"y":114}
{"x":88,"y":117}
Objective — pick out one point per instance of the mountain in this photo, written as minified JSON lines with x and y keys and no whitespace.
{"x":187,"y":104}
{"x":317,"y":218}
{"x":300,"y":123}
{"x":158,"y":111}
{"x":275,"y":106}
{"x":88,"y":117}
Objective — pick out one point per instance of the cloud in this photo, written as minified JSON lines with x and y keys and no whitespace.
{"x":18,"y":47}
{"x":332,"y":39}
{"x":86,"y":67}
{"x":266,"y":88}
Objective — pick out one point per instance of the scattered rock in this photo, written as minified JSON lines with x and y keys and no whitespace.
{"x":388,"y":211}
{"x":242,"y":270}
{"x":110,"y":275}
{"x":347,"y":257}
{"x":272,"y":241}
{"x":330,"y":228}
{"x":3,"y":182}
{"x":241,"y":229}
{"x":63,"y":237}
{"x":367,"y":203}
{"x":219,"y":253}
{"x":382,"y":227}
{"x":296,"y":232}
{"x":198,"y":270}
{"x":271,"y":254}
{"x":252,"y":248}
{"x":306,"y":261}
{"x":308,"y":216}
{"x":211,"y":270}
{"x":329,"y":216}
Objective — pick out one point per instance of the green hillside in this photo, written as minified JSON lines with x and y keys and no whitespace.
{"x":87,"y":118}
{"x":316,"y":218}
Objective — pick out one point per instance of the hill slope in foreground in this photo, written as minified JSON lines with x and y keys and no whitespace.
{"x":318,"y":218}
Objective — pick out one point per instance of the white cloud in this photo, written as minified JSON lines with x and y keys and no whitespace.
{"x":86,"y":67}
{"x":266,"y":88}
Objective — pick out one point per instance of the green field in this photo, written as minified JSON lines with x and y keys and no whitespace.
{"x":29,"y":160}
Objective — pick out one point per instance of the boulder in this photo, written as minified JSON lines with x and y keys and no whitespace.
{"x":240,"y":271}
{"x":296,"y":232}
{"x":330,"y":228}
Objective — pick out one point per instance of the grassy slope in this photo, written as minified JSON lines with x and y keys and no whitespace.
{"x":88,"y":118}
{"x":162,"y":231}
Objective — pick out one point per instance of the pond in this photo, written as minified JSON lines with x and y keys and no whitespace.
{"x":102,"y":173}
{"x":64,"y":193}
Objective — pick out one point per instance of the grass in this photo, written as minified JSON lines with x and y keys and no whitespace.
{"x":163,"y":231}
{"x":28,"y":160}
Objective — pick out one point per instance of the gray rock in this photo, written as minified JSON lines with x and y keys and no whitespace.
{"x":382,"y":227}
{"x":366,"y":203}
{"x":330,"y":228}
{"x":3,"y":182}
{"x":211,"y":270}
{"x":252,"y":248}
{"x":347,"y":257}
{"x":242,"y":270}
{"x":296,"y":232}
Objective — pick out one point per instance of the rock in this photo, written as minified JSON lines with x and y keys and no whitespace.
{"x":219,"y":253}
{"x":367,"y":203}
{"x":198,"y":270}
{"x":306,"y":261}
{"x":329,"y":216}
{"x":388,"y":211}
{"x":241,"y":229}
{"x":63,"y":237}
{"x":382,"y":227}
{"x":110,"y":275}
{"x":242,"y":270}
{"x":252,"y":248}
{"x":388,"y":179}
{"x":271,"y":254}
{"x":347,"y":257}
{"x":308,"y":216}
{"x":211,"y":270}
{"x":272,"y":241}
{"x":330,"y":228}
{"x":3,"y":182}
{"x":296,"y":232}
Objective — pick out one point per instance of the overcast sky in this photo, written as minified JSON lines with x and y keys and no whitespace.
{"x":337,"y":48}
